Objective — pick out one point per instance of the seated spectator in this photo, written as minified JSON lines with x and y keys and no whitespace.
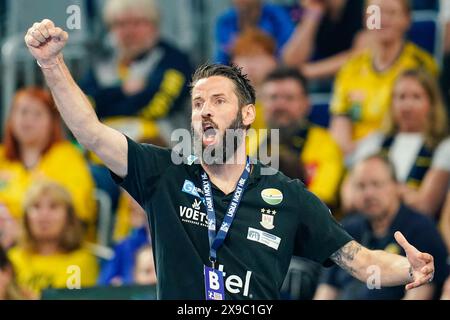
{"x":416,"y":124}
{"x":33,"y":147}
{"x":133,"y":220}
{"x":324,"y":38}
{"x":430,"y":197}
{"x":380,"y":214}
{"x":254,"y":52}
{"x":271,"y":18}
{"x":144,"y":269}
{"x":145,"y":79}
{"x":286,"y":107}
{"x":363,"y":86}
{"x":129,"y":216}
{"x":52,"y":242}
{"x":141,"y":87}
{"x":9,"y":290}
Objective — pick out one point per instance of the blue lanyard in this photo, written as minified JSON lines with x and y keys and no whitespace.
{"x":216,"y":241}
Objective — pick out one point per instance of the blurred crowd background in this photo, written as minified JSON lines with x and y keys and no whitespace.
{"x":362,"y":111}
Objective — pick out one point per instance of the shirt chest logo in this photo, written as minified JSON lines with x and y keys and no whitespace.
{"x":193,"y":215}
{"x":263,"y":237}
{"x":196,"y":204}
{"x":267,"y":218}
{"x":272,"y":196}
{"x":190,"y":188}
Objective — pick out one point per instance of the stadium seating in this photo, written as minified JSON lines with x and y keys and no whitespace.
{"x":320,"y":114}
{"x":426,"y":32}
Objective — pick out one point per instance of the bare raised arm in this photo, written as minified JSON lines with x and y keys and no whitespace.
{"x":45,"y":42}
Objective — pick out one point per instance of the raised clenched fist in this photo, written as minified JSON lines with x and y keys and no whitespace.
{"x":45,"y":42}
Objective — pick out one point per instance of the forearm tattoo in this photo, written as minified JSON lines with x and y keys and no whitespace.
{"x":345,"y":256}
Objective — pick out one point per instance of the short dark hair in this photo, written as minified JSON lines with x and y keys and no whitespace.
{"x":244,"y":90}
{"x":380,"y":156}
{"x":283,"y":73}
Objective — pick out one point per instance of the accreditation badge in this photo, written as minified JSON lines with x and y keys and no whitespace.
{"x":214,"y":285}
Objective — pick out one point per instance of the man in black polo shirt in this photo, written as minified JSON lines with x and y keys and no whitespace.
{"x":219,"y":230}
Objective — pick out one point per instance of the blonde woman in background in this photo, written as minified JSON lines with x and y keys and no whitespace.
{"x":415,"y":125}
{"x":52,"y":253}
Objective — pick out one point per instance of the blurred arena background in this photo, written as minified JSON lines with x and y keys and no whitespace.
{"x":353,"y":92}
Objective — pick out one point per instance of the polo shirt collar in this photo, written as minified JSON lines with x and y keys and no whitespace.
{"x":255,"y":174}
{"x":399,"y":221}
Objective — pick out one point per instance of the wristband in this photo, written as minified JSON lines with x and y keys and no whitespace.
{"x":48,"y":66}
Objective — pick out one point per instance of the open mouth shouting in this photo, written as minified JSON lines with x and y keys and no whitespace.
{"x":209,"y":130}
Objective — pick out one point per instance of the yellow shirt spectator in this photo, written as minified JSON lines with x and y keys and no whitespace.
{"x":64,"y":164}
{"x":259,"y":122}
{"x":37,"y":272}
{"x":318,"y":153}
{"x":363,"y":94}
{"x":323,"y":161}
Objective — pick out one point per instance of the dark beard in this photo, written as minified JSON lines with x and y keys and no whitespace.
{"x":287,"y":132}
{"x":233,"y":132}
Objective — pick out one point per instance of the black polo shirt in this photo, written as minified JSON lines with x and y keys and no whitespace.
{"x":277,"y":218}
{"x":420,"y":231}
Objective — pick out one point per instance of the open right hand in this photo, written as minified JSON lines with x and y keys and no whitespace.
{"x":45,"y":42}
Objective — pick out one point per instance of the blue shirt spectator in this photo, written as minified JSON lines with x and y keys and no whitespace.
{"x":273,"y":19}
{"x":119,"y":270}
